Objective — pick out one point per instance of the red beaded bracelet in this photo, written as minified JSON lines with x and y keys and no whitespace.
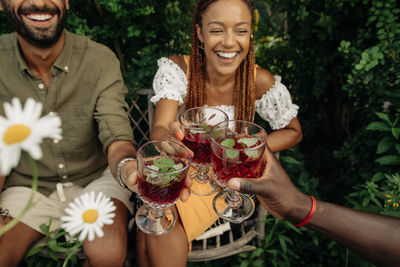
{"x":312,"y":211}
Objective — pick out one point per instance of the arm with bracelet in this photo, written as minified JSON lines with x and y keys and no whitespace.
{"x":373,"y":236}
{"x":122,"y":161}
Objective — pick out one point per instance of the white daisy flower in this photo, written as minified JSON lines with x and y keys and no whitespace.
{"x":23,"y":129}
{"x":88,"y":214}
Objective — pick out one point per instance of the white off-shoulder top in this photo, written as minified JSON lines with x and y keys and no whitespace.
{"x":275,"y":106}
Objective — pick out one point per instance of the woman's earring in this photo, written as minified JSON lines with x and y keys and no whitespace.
{"x":201,"y":46}
{"x":251,"y":36}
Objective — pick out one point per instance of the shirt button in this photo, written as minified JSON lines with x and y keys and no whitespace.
{"x":56,"y":141}
{"x":66,"y":68}
{"x":41,"y":85}
{"x":64,"y":177}
{"x":60,"y":165}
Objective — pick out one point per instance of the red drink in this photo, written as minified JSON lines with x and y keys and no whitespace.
{"x":237,"y":160}
{"x":160,"y":187}
{"x":199,"y":143}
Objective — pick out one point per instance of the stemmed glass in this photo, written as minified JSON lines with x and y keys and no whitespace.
{"x":162,"y":168}
{"x":196,"y":123}
{"x":237,"y":151}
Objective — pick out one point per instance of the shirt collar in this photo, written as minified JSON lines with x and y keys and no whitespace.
{"x":61,"y":63}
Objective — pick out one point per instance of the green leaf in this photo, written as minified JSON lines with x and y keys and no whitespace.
{"x":294,"y":228}
{"x":53,"y":255}
{"x":205,"y":127}
{"x":396,"y":133}
{"x":397,"y":146}
{"x":378,"y":176}
{"x":282,"y":243}
{"x":315,"y":240}
{"x":388,"y":160}
{"x":33,"y":251}
{"x":163,"y":163}
{"x":217,"y":134}
{"x":252,"y":154}
{"x":384,"y":145}
{"x":176,"y":167}
{"x":232,"y":153}
{"x":258,"y":263}
{"x":378,"y":126}
{"x":384,"y":117}
{"x":248,"y":141}
{"x":257,"y":252}
{"x":289,"y":160}
{"x":44,"y":228}
{"x":52,"y":244}
{"x":228,"y":143}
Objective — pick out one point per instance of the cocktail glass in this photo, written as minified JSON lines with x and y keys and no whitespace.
{"x":196,"y":123}
{"x":162,"y":168}
{"x":237,"y":151}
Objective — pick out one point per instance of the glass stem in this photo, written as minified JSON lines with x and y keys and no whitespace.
{"x":156,"y":213}
{"x":234,"y":200}
{"x":202,"y":176}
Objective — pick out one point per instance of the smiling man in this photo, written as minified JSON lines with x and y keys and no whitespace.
{"x":81,"y":81}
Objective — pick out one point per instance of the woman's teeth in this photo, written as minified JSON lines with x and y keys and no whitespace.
{"x":227,"y":55}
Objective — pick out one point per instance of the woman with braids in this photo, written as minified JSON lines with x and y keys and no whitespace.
{"x":220,"y":72}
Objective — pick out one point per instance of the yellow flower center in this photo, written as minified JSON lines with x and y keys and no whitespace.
{"x":90,"y":216}
{"x":16,"y":134}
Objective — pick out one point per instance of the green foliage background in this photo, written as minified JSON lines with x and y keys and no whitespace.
{"x":341,"y":62}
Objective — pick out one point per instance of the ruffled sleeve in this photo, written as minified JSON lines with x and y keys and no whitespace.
{"x":276,"y":106}
{"x":169,"y":82}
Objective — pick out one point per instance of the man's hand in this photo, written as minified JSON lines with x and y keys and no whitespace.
{"x":274,"y":188}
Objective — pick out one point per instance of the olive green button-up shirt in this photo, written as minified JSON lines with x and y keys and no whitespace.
{"x":88,"y":94}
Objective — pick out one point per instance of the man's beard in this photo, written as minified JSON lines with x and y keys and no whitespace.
{"x":42,"y":38}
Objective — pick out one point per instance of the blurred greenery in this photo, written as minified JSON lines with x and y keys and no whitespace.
{"x":341,"y":62}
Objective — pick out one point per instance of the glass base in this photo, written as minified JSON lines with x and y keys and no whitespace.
{"x":201,"y":188}
{"x":150,"y":224}
{"x":233,"y":213}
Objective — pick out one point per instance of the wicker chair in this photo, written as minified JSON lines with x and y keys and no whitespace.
{"x":222,"y":239}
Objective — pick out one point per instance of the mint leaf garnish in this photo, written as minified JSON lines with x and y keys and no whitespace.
{"x":196,"y":131}
{"x":231,"y":153}
{"x":177,"y":166}
{"x":205,"y":127}
{"x":228,"y":142}
{"x":163,"y":163}
{"x":248,"y":141}
{"x":217,"y":134}
{"x":252,"y":154}
{"x":153,"y":167}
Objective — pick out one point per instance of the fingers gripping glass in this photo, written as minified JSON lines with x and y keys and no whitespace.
{"x":196,"y":123}
{"x":237,"y":151}
{"x":162,"y":169}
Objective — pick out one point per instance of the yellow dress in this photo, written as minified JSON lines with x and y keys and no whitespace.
{"x":197,"y":213}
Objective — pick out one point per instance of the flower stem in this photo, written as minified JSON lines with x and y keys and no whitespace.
{"x":71,"y":253}
{"x":30,"y":202}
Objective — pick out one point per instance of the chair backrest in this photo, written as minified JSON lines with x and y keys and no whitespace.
{"x":222,"y":239}
{"x":140,"y":114}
